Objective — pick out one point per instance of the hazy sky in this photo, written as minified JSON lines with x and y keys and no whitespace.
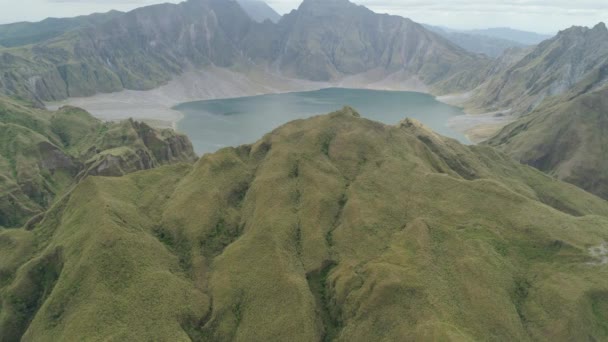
{"x":545,"y":16}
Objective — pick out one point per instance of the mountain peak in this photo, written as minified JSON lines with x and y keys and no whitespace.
{"x":580,"y":30}
{"x":600,"y":27}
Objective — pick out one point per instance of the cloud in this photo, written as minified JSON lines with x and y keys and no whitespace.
{"x":107,"y":2}
{"x":536,"y":15}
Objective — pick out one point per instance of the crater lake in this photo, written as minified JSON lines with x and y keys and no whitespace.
{"x":215,"y":124}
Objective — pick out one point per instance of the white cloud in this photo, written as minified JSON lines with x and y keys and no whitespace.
{"x":536,"y":15}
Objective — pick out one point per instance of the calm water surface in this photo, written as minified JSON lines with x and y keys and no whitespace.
{"x":215,"y":124}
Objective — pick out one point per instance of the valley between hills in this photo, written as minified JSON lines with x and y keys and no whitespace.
{"x":329,"y":227}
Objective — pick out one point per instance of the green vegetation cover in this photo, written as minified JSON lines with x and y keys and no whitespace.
{"x":330,"y":228}
{"x":43,"y":153}
{"x":565,"y":137}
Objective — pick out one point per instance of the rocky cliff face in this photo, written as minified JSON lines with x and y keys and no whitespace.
{"x":321,"y":41}
{"x":146,"y":148}
{"x":42,"y":154}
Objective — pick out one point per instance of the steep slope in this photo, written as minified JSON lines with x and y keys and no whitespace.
{"x":259,"y":10}
{"x":43,"y":153}
{"x":566,"y":137}
{"x":553,"y":68}
{"x":331,"y":228}
{"x":477,"y":43}
{"x":25,"y":33}
{"x":321,"y":41}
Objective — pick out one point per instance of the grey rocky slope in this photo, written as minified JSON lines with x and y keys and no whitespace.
{"x":139,"y":50}
{"x":575,"y":58}
{"x":323,"y":40}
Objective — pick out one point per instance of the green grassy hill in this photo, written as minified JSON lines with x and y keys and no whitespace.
{"x":43,"y":153}
{"x":330,"y":228}
{"x":566,"y":137}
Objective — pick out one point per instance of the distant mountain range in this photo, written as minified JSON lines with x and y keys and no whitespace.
{"x":491,"y":42}
{"x":320,"y":41}
{"x":490,"y":46}
{"x":521,"y":37}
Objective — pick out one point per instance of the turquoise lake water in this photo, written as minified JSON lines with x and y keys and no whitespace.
{"x":214,"y":124}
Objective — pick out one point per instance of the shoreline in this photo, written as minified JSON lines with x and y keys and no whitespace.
{"x":155,"y":106}
{"x":479,"y":127}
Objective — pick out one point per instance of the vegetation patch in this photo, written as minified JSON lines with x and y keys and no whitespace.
{"x":321,"y":290}
{"x":23,"y":299}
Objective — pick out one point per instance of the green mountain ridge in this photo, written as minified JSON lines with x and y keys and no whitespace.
{"x":43,"y":154}
{"x":565,"y":137}
{"x":330,"y":228}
